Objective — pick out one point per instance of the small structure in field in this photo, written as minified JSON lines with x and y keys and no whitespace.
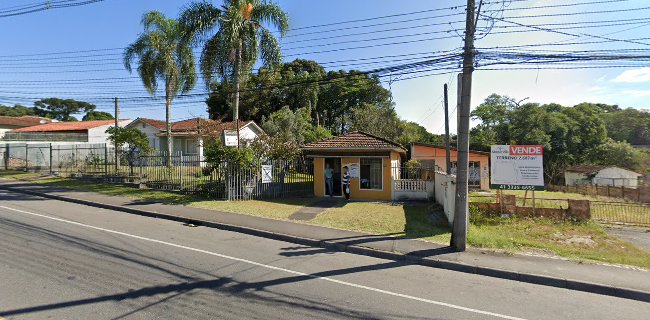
{"x":598,"y":175}
{"x":374,"y":165}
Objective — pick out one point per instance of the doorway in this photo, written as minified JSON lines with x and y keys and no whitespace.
{"x":335,"y":165}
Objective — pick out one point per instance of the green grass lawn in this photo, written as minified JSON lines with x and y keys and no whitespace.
{"x":578,"y":241}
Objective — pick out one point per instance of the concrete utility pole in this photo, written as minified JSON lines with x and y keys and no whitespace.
{"x":117,"y":157}
{"x":447,"y":152}
{"x":459,"y":233}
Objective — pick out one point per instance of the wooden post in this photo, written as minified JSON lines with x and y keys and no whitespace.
{"x":533,"y":202}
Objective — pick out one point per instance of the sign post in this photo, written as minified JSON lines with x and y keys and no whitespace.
{"x":517,"y":167}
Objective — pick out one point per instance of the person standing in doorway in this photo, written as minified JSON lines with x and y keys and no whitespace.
{"x":346,"y":182}
{"x":329,"y":180}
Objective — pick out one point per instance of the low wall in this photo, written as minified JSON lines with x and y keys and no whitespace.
{"x":445,"y":194}
{"x":413,"y":190}
{"x":577,"y":210}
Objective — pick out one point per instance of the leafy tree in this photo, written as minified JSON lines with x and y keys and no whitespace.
{"x":629,"y":125}
{"x":617,"y":153}
{"x":163,"y":54}
{"x":240,"y":40}
{"x":17,"y":111}
{"x":61,"y":109}
{"x":378,"y":120}
{"x":413,"y":132}
{"x":135,"y":141}
{"x":215,"y":153}
{"x":97,"y":115}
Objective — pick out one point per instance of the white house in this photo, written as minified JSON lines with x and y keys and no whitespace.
{"x":64,"y":132}
{"x":601,"y":176}
{"x":188,"y":136}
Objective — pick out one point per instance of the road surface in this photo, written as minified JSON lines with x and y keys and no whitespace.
{"x":66,"y":261}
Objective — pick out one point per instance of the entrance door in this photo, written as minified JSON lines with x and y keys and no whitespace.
{"x":335,"y":165}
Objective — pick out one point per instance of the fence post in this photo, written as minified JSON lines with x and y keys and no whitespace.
{"x":51,"y":159}
{"x":180,"y":168}
{"x":105,"y":159}
{"x":26,"y":157}
{"x":7,"y":156}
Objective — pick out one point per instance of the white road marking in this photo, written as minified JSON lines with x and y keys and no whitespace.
{"x":349,"y":284}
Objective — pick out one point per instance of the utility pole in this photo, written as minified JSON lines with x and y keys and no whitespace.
{"x":117,"y":157}
{"x":459,"y":233}
{"x":447,"y":152}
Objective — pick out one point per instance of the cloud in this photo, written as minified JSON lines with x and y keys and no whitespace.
{"x":638,"y":93}
{"x":634,"y":76}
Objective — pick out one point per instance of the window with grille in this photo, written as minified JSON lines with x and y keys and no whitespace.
{"x":370,"y":174}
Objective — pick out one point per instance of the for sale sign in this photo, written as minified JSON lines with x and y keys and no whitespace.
{"x":517,"y":167}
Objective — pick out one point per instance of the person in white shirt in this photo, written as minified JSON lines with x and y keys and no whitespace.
{"x":346,"y":183}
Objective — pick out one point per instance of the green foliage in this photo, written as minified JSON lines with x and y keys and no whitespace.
{"x":239,"y":26}
{"x":17,"y":111}
{"x":163,"y":53}
{"x":287,"y":131}
{"x":61,"y":109}
{"x":568,"y":134}
{"x":97,"y":115}
{"x":413,"y":132}
{"x":216,"y":153}
{"x":629,"y":125}
{"x":134,"y":139}
{"x":616,"y":153}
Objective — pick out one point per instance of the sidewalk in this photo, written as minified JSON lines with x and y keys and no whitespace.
{"x":602,"y":279}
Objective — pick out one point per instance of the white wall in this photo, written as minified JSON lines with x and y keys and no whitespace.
{"x":445,"y":194}
{"x":99,"y":135}
{"x":150,"y":131}
{"x":618,"y":177}
{"x":575,"y":179}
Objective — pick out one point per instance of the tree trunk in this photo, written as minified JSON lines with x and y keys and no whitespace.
{"x":168,"y":133}
{"x":235,"y":109}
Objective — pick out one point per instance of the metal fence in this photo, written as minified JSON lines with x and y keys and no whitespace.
{"x":620,"y":212}
{"x":185,"y":173}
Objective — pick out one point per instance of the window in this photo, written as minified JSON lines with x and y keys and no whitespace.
{"x":473,"y":175}
{"x":371,"y":176}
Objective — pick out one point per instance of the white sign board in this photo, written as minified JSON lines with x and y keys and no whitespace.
{"x":516,"y":167}
{"x":353,"y":170}
{"x":230,"y":138}
{"x":267,"y":173}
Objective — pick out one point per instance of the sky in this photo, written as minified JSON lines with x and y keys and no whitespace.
{"x":33,"y":62}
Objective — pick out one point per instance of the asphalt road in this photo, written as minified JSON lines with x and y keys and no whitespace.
{"x":66,"y":261}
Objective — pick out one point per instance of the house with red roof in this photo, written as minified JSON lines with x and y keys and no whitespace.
{"x":12,"y":123}
{"x":68,"y":132}
{"x":189,"y":136}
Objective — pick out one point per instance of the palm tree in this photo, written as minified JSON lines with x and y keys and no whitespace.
{"x":163,"y":54}
{"x":236,"y":38}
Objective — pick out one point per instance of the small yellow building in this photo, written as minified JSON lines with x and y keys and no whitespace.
{"x":372,"y":162}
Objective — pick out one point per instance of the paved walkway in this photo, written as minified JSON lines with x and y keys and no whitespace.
{"x":640,"y":236}
{"x":611,"y":280}
{"x":311,"y":211}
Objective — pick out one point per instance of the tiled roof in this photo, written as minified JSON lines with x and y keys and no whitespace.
{"x":585,"y":168}
{"x":355,"y":140}
{"x":66,"y":126}
{"x":24,"y":121}
{"x":196,"y":125}
{"x":159,"y":124}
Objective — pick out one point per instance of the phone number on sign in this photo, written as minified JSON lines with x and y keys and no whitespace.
{"x":516,"y":187}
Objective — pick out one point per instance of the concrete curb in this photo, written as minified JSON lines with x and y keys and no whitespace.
{"x":570,"y":284}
